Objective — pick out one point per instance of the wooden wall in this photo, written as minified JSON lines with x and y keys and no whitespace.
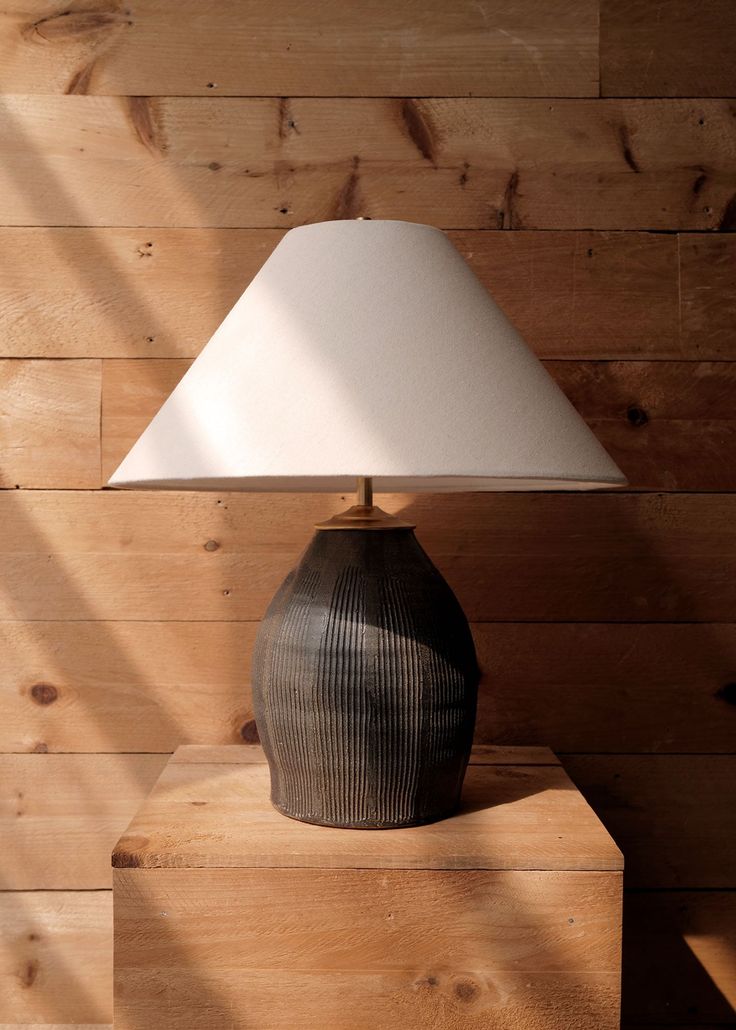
{"x":583,"y":157}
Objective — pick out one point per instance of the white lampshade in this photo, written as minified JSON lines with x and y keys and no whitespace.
{"x":367,"y":348}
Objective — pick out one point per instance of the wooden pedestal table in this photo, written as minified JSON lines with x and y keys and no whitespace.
{"x":229,"y":915}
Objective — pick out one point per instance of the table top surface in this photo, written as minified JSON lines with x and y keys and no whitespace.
{"x":210,"y":808}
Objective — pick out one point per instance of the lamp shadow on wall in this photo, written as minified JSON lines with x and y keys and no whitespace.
{"x":599,"y":575}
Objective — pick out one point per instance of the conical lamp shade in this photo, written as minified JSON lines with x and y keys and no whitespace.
{"x":367,"y":348}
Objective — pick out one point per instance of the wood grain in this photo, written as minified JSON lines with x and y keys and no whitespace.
{"x":678,"y":963}
{"x":333,"y":49}
{"x":707,"y":292}
{"x":516,"y":951}
{"x":61,"y":815}
{"x":578,"y":687}
{"x":668,"y":425}
{"x":678,"y":957}
{"x":608,"y":688}
{"x":673,"y":816}
{"x":456,"y":163}
{"x":162,"y":292}
{"x":56,"y":958}
{"x":101,"y":686}
{"x":511,"y":817}
{"x":133,"y":391}
{"x":647,"y":670}
{"x":122,"y":292}
{"x":146,"y":293}
{"x":673,"y":48}
{"x":49,"y":423}
{"x":143,"y":556}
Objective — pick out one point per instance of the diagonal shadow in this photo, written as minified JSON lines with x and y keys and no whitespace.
{"x":77,"y":996}
{"x":599,"y":574}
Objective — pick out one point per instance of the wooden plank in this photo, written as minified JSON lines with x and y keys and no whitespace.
{"x":162,"y":292}
{"x":491,"y":754}
{"x":511,"y":817}
{"x":678,"y":957}
{"x":577,"y":687}
{"x":708,"y":293}
{"x":133,"y":391}
{"x":608,"y":688}
{"x":456,"y":163}
{"x":584,"y":294}
{"x":50,"y":423}
{"x":678,"y":967}
{"x":101,"y":686}
{"x":674,"y":48}
{"x":333,"y":49}
{"x":61,"y":815}
{"x":669,"y":425}
{"x":511,"y":950}
{"x":56,"y":958}
{"x":122,"y":292}
{"x":560,"y":558}
{"x":247,"y":754}
{"x":673,"y":816}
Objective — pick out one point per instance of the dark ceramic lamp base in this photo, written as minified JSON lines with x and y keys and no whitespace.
{"x":365,"y":683}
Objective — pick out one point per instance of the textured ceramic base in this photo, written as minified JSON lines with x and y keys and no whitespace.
{"x":364,"y":685}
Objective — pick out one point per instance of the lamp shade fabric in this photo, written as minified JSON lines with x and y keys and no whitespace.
{"x":367,"y":348}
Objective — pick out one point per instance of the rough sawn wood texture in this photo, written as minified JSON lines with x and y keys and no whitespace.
{"x":582,"y":156}
{"x":508,"y":914}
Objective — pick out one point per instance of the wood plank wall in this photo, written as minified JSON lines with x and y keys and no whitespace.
{"x":583,"y":158}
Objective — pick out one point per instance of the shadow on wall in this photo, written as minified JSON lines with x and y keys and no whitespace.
{"x":500,"y":570}
{"x":661,"y":967}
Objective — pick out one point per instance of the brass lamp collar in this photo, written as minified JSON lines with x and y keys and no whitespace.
{"x":365,"y":514}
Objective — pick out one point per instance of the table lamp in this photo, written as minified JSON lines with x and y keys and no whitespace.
{"x":366,"y":351}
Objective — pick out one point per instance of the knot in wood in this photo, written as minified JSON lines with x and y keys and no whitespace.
{"x":249,"y":732}
{"x":727,"y":693}
{"x":44,"y":693}
{"x":637,"y":416}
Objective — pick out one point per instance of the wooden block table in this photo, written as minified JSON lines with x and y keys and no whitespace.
{"x":229,"y":915}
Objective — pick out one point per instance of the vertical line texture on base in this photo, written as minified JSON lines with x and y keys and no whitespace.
{"x":364,"y":684}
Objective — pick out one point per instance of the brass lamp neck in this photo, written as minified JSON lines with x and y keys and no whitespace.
{"x":364,"y":490}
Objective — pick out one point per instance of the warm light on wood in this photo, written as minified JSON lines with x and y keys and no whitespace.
{"x":581,"y":154}
{"x":409,"y":924}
